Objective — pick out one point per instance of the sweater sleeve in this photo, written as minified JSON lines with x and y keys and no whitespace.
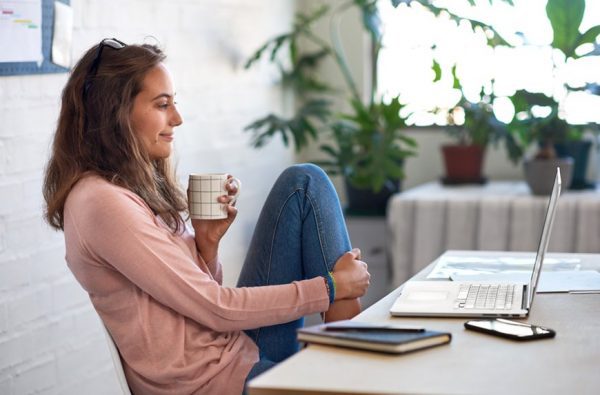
{"x":115,"y":227}
{"x":215,"y":267}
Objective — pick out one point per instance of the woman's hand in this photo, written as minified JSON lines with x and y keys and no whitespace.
{"x":210,"y":231}
{"x":351,"y":276}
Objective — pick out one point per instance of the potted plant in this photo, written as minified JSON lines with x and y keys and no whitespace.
{"x":473,"y":126}
{"x":556,"y":139}
{"x":368,"y":149}
{"x":545,"y":132}
{"x":366,"y":144}
{"x":471,"y":122}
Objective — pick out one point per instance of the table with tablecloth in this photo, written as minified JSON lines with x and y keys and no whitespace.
{"x":427,"y":220}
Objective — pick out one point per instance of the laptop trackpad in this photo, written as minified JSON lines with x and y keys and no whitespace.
{"x":427,"y":296}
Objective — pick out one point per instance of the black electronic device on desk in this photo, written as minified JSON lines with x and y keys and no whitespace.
{"x":510,"y":329}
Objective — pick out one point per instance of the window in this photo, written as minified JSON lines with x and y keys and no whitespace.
{"x":414,"y":37}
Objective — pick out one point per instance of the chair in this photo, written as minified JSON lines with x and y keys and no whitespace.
{"x":116,"y":358}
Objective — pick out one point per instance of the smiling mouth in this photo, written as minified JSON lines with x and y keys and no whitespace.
{"x":165,"y":136}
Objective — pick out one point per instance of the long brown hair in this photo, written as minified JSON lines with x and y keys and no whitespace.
{"x":94,"y":134}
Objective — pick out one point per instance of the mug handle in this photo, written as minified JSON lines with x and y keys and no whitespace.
{"x":239,"y":188}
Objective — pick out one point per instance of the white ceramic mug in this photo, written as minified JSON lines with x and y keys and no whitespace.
{"x":203,"y":193}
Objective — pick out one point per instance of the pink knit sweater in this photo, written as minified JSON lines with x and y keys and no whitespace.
{"x":179,"y":331}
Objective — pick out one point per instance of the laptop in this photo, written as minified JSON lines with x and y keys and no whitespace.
{"x":478,"y":299}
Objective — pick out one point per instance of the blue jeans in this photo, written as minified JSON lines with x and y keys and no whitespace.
{"x":300,"y":234}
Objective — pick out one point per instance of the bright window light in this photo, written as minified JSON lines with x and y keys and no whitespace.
{"x":414,"y":37}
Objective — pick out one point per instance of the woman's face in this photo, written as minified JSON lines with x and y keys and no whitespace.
{"x":154,"y":115}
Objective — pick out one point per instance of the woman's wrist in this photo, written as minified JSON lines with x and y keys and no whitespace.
{"x":331,"y":286}
{"x":207,"y":250}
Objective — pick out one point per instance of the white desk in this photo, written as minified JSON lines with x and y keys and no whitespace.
{"x":473,"y":363}
{"x":427,"y":220}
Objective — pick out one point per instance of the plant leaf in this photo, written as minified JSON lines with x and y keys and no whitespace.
{"x":370,"y":18}
{"x":588,"y":37}
{"x":456,"y":82}
{"x":437,"y":69}
{"x":396,"y":3}
{"x":565,"y":17}
{"x":298,"y":129}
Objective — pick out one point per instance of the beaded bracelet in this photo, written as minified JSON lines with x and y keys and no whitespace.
{"x":327,"y":287}
{"x":330,"y":284}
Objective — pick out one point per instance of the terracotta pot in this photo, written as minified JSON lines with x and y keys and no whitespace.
{"x":463,"y":163}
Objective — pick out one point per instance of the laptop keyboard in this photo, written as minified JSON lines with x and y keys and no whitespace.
{"x":485,"y":296}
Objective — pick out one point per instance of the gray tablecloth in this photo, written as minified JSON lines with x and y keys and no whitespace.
{"x":500,"y":216}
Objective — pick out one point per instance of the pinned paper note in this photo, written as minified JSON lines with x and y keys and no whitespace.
{"x":62,"y":36}
{"x":21,"y":31}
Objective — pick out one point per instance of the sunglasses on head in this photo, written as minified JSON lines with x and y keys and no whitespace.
{"x":107,"y":42}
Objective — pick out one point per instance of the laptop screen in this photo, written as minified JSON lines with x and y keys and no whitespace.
{"x":545,"y":238}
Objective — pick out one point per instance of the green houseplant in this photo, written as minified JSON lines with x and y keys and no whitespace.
{"x":478,"y":128}
{"x":546,"y":133}
{"x":365,"y":144}
{"x":471,"y":122}
{"x":368,"y":148}
{"x":551,"y":132}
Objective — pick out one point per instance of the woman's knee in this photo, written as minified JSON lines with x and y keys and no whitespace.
{"x":302,"y":170}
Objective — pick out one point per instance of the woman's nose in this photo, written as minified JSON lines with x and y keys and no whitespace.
{"x":176,"y":118}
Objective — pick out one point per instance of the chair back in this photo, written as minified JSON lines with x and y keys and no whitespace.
{"x":116,"y":359}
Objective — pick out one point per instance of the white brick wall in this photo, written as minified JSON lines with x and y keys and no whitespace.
{"x":50,"y":339}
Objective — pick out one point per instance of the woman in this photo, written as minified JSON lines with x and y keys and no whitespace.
{"x":157,"y":284}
